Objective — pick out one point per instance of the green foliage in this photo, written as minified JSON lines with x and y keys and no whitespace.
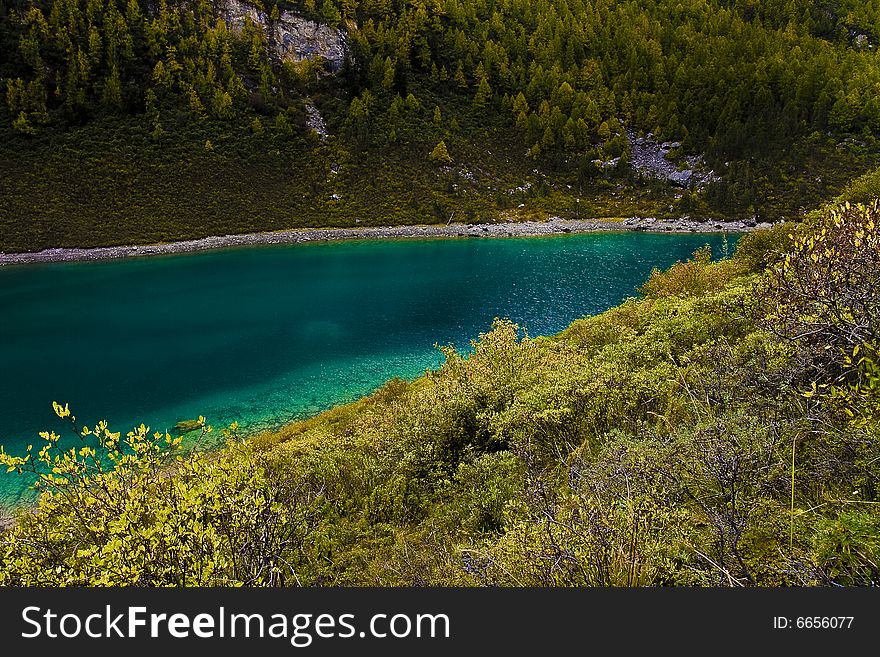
{"x":759,"y":249}
{"x":697,"y":276}
{"x":668,"y":441}
{"x":825,"y":289}
{"x":128,"y":512}
{"x":78,"y":59}
{"x":863,"y":189}
{"x":440,"y":155}
{"x":824,"y":295}
{"x":848,"y":549}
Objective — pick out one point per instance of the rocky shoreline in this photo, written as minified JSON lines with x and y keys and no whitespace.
{"x":553,"y":226}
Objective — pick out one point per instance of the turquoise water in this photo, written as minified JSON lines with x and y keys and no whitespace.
{"x":265,"y":335}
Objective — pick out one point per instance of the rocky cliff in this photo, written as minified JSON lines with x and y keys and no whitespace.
{"x":291,"y":37}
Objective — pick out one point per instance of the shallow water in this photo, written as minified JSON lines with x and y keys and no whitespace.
{"x":265,"y":335}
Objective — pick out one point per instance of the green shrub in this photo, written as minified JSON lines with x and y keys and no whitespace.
{"x":847,"y":548}
{"x":126,"y":512}
{"x":759,"y":249}
{"x":864,"y":189}
{"x":697,"y":276}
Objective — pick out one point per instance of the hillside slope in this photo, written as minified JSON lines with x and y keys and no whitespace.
{"x":140,"y":121}
{"x":721,"y":429}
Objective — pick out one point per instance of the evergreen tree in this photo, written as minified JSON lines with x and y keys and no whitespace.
{"x":440,"y":155}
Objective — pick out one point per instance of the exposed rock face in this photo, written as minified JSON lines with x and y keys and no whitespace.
{"x":296,"y":39}
{"x":235,"y":13}
{"x":649,"y":159}
{"x":291,"y":38}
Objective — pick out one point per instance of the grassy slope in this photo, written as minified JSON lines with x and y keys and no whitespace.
{"x":647,"y":445}
{"x":461,"y":460}
{"x":108,"y":183}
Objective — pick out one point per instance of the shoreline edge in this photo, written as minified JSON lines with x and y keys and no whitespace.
{"x":552,"y":226}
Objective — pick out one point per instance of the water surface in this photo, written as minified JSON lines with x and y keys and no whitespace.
{"x":265,"y":335}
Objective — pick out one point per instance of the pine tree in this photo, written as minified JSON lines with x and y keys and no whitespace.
{"x":440,"y":155}
{"x":483,"y":95}
{"x":412,"y":103}
{"x":22,"y":125}
{"x":330,"y":13}
{"x":520,"y":105}
{"x":388,"y":74}
{"x":548,"y":140}
{"x":282,"y":125}
{"x":459,"y":78}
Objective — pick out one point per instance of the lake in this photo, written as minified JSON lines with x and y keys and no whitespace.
{"x":265,"y":335}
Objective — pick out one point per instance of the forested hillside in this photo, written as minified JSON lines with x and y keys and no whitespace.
{"x":720,"y":429}
{"x":725,"y":78}
{"x":780,"y":98}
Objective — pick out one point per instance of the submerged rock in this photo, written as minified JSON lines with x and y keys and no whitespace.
{"x":186,"y":426}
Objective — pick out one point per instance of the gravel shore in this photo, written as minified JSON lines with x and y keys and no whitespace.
{"x":553,"y":226}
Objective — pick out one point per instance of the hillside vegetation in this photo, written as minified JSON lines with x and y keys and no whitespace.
{"x":122,"y":120}
{"x":719,"y":429}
